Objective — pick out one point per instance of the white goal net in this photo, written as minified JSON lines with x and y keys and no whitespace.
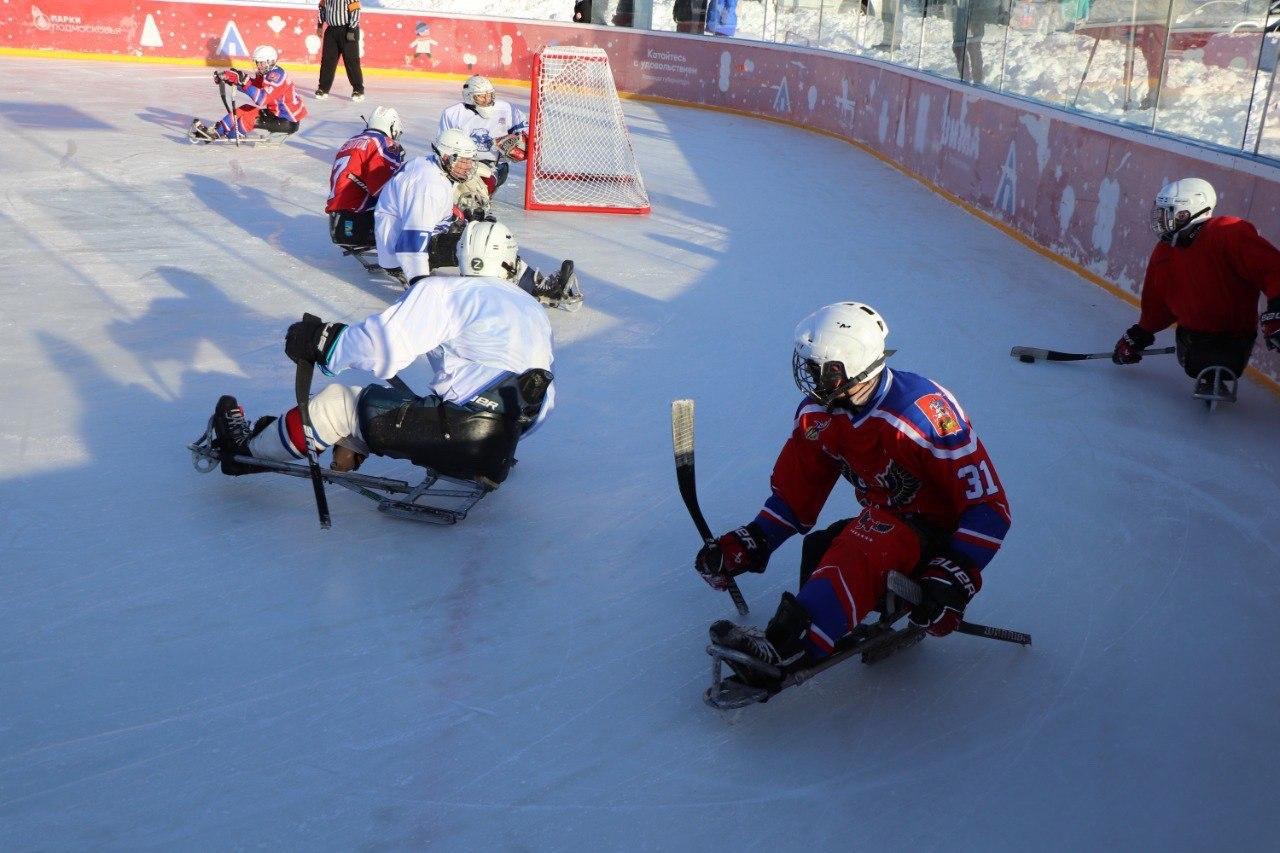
{"x":580,"y":154}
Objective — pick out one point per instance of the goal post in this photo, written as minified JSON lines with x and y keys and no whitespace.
{"x":580,"y":155}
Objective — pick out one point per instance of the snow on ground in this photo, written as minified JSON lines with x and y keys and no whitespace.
{"x":188,"y":661}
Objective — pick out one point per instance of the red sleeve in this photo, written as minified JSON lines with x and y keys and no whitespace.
{"x":802,"y":480}
{"x":1252,"y":258}
{"x":1156,"y":315}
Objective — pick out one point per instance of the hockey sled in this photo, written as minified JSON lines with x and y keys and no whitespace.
{"x":423,"y":502}
{"x":1222,"y":390}
{"x":873,"y":641}
{"x":368,"y":258}
{"x":253,"y":138}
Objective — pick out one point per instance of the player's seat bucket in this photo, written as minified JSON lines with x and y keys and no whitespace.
{"x":475,"y":441}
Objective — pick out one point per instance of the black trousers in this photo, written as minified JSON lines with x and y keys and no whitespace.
{"x":351,"y":229}
{"x":272,"y":123}
{"x":337,"y":44}
{"x":1198,"y":350}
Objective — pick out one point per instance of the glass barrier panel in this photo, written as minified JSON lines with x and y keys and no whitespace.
{"x":1122,"y":70}
{"x":943,"y":27}
{"x":850,"y":26}
{"x":1045,"y":58}
{"x":1211,"y":69}
{"x":1264,"y":135}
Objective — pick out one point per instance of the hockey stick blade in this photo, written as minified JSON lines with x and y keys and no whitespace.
{"x":908,"y":590}
{"x":302,"y":390}
{"x":1030,"y":355}
{"x":682,"y":443}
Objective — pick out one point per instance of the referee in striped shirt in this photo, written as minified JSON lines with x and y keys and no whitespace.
{"x":340,"y":22}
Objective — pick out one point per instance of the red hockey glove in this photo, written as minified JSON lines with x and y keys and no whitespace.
{"x":513,"y":146}
{"x":738,"y":551}
{"x":946,"y":588}
{"x":1270,"y":323}
{"x":1131,"y":344}
{"x":232,"y":77}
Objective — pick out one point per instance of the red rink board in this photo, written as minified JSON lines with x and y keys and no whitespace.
{"x":1079,"y":187}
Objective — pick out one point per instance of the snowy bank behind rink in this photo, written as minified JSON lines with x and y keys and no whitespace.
{"x":1078,"y":187}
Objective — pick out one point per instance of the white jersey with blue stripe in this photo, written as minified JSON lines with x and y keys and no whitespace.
{"x":484,"y":131}
{"x":413,"y":206}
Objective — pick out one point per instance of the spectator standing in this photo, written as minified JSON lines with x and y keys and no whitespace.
{"x":722,"y":17}
{"x":339,"y":20}
{"x":690,"y":16}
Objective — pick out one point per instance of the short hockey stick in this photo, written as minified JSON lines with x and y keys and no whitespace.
{"x":682,"y":440}
{"x":1030,"y":355}
{"x":231,"y":113}
{"x":302,"y":389}
{"x":908,"y":590}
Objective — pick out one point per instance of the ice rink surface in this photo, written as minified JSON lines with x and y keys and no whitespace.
{"x":188,"y":661}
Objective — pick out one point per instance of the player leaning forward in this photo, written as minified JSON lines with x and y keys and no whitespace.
{"x":417,"y":225}
{"x":501,"y":134}
{"x":273,"y":105}
{"x":1205,"y":275}
{"x":488,"y":342}
{"x":932,"y":504}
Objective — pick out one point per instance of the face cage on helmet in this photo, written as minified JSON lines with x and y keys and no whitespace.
{"x":1167,"y":221}
{"x":826,"y":382}
{"x":476,"y":96}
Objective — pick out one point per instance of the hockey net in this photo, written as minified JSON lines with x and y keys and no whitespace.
{"x":580,"y":154}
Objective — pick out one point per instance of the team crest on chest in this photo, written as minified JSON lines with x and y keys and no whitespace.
{"x":940,"y":413}
{"x":815,"y":428}
{"x":900,"y":483}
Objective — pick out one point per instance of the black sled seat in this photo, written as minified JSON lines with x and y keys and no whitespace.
{"x":475,"y":441}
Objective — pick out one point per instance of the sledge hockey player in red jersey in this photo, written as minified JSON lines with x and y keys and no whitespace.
{"x":273,"y":105}
{"x":362,"y":165}
{"x":1205,"y":275}
{"x":933,"y":506}
{"x":500,"y":132}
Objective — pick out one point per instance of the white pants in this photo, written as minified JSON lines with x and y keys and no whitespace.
{"x":334,"y":419}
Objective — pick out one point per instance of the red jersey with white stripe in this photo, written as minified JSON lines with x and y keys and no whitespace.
{"x":1212,"y":285}
{"x":274,"y":93}
{"x":910,"y":452}
{"x":363,"y":164}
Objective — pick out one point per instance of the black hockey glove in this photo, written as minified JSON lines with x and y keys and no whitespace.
{"x":1131,"y":344}
{"x":1270,"y":323}
{"x":311,"y":339}
{"x":946,"y":588}
{"x":738,"y":551}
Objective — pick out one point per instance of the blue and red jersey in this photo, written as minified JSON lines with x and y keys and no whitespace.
{"x":910,"y":452}
{"x":363,"y":164}
{"x":274,"y":93}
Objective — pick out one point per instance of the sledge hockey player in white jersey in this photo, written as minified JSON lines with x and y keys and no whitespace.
{"x":500,"y":132}
{"x":417,"y":226}
{"x":488,"y":342}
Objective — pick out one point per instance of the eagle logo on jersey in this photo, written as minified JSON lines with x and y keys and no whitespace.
{"x":816,"y":428}
{"x":869,"y":524}
{"x":940,"y":414}
{"x":900,"y":483}
{"x":482,"y":139}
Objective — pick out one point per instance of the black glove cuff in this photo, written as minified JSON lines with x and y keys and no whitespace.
{"x":1139,"y":336}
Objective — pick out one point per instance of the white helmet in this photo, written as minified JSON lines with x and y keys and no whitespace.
{"x":838,"y":347}
{"x":478,"y":85}
{"x":1181,"y":204}
{"x":387,"y":120}
{"x":453,"y":145}
{"x":488,"y":249}
{"x":265,"y":58}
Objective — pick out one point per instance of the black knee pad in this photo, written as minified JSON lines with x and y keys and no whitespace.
{"x":449,"y":439}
